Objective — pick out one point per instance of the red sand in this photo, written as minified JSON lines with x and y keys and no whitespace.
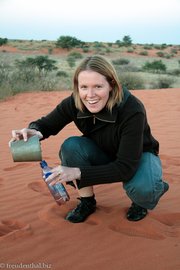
{"x":33,"y":232}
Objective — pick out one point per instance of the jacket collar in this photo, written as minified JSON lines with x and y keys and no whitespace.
{"x":105,"y":115}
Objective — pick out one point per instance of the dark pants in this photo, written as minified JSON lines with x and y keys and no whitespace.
{"x":145,"y":188}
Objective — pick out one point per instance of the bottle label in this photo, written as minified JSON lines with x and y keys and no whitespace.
{"x":57,"y":190}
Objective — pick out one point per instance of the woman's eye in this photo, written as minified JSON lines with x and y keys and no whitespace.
{"x":83,"y":87}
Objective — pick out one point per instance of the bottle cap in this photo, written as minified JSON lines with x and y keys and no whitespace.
{"x":43,"y":164}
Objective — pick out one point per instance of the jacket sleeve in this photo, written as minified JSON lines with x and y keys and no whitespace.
{"x":127,"y":160}
{"x":56,"y":120}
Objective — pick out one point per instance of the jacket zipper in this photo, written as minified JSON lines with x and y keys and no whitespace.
{"x":94,"y":119}
{"x":103,"y":120}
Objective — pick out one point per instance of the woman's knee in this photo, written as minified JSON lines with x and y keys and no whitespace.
{"x":70,"y":144}
{"x":69,"y":148}
{"x":145,"y":196}
{"x":74,"y":152}
{"x":139,"y":193}
{"x":142,"y":195}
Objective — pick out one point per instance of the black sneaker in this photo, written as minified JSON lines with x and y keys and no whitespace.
{"x":82,"y":211}
{"x":136,"y":212}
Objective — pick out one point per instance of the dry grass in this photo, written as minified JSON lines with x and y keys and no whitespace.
{"x":21,"y":49}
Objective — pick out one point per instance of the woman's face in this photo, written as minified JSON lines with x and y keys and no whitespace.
{"x":94,"y":90}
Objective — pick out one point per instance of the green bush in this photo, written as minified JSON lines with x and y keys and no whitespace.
{"x":3,"y":41}
{"x":168,"y":56}
{"x":155,"y":66}
{"x":131,"y":81}
{"x":145,"y":53}
{"x":121,"y":61}
{"x":127,"y":41}
{"x":108,"y":50}
{"x":130,"y":50}
{"x":147,"y":47}
{"x":68,"y":42}
{"x":62,"y":74}
{"x":5,"y":71}
{"x":75,"y":55}
{"x":26,"y":75}
{"x":174,"y":51}
{"x":119,"y":43}
{"x":163,"y":83}
{"x":98,"y":44}
{"x":71,"y":61}
{"x":160,"y":47}
{"x":160,"y":54}
{"x":85,"y":49}
{"x":40,"y":63}
{"x":127,"y":68}
{"x":175,"y":72}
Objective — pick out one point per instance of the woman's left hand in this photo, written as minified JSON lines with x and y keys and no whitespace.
{"x":63,"y":174}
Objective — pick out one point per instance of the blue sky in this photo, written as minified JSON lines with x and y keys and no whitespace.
{"x":155,"y":21}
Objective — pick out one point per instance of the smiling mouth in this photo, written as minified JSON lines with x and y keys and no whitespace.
{"x":91,"y":102}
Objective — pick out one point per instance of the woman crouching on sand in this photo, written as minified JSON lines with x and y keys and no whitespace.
{"x":116,"y":145}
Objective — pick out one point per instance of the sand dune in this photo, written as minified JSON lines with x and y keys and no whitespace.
{"x":33,"y":232}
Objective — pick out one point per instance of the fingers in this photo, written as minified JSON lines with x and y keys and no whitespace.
{"x":16,"y":135}
{"x":24,"y":134}
{"x":12,"y":140}
{"x":57,"y":170}
{"x":55,"y":176}
{"x":20,"y":134}
{"x":63,"y":174}
{"x":53,"y":179}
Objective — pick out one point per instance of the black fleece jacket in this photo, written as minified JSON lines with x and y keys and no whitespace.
{"x":123,"y":134}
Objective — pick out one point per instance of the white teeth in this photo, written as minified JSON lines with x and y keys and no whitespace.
{"x":92,"y":102}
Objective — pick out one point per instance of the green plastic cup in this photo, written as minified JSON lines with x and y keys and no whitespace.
{"x":26,"y":151}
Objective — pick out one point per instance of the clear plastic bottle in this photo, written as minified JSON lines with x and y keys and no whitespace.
{"x":57,"y":190}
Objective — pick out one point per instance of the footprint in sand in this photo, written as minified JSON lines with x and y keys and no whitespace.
{"x":39,"y":186}
{"x":97,"y":219}
{"x":156,"y":227}
{"x":55,"y":214}
{"x":13,"y":229}
{"x":18,"y":166}
{"x":169,"y":219}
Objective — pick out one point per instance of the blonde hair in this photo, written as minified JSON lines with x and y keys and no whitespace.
{"x":104,"y":67}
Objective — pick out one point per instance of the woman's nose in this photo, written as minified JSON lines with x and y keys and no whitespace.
{"x":90,"y":92}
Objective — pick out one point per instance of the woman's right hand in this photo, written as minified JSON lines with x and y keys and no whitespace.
{"x":24,"y":134}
